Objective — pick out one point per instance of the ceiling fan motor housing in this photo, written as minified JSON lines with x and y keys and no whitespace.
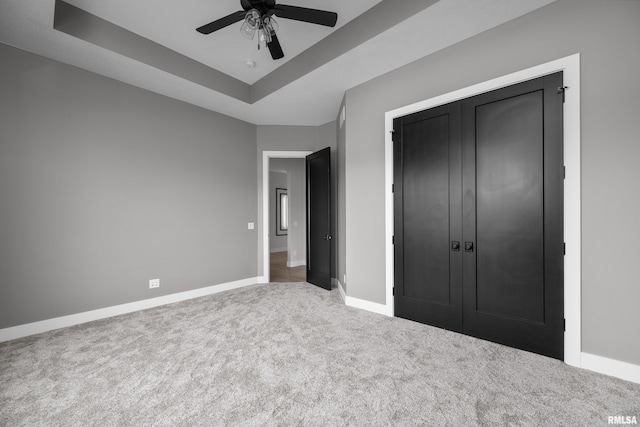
{"x":261,"y":5}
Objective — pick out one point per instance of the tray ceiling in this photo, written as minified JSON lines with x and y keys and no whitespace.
{"x":372,"y":37}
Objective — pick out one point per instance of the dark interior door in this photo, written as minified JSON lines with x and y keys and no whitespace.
{"x":478,"y":216}
{"x":319,"y":218}
{"x":428,"y":275}
{"x":512,"y":215}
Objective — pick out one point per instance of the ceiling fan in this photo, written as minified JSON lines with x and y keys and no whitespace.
{"x":258,"y":19}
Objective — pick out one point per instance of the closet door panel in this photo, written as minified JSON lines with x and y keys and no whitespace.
{"x":427,"y":184}
{"x":425,"y":158}
{"x":509,"y":207}
{"x":512,"y":214}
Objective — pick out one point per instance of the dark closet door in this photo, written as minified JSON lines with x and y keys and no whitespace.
{"x":512,"y":216}
{"x":319,"y":218}
{"x":427,"y":203}
{"x":478,"y":216}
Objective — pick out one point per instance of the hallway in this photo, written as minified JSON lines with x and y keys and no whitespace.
{"x":281,"y":273}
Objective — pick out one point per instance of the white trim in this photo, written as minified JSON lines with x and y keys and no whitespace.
{"x":612,"y":367}
{"x":572,"y":214}
{"x":266,"y":155}
{"x":570,"y":65}
{"x":340,"y":287}
{"x":103,"y":313}
{"x":367,"y":305}
{"x":273,"y":250}
{"x":343,"y":115}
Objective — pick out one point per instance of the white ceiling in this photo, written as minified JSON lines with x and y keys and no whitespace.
{"x":28,"y":24}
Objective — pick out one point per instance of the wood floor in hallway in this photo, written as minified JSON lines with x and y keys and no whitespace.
{"x":281,"y":273}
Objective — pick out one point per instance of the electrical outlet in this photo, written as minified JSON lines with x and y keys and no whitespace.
{"x":154,"y":283}
{"x":251,"y":226}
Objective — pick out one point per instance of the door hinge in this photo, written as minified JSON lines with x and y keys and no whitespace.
{"x":564,"y":325}
{"x":393,"y":291}
{"x":393,"y":240}
{"x":564,"y":248}
{"x":562,"y":89}
{"x":393,"y":188}
{"x":564,"y":172}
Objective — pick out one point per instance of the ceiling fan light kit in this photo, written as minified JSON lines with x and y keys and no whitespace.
{"x":258,"y":19}
{"x":264,"y":25}
{"x":251,"y":24}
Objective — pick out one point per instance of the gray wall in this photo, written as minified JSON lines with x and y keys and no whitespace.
{"x":277,"y":179}
{"x":104,"y":186}
{"x":606,"y":34}
{"x":288,"y":138}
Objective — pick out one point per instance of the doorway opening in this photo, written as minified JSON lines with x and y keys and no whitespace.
{"x":286,"y":265}
{"x":287,"y":220}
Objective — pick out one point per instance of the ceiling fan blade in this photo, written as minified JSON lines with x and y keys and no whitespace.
{"x":275,"y":48}
{"x":222,"y":22}
{"x":313,"y":16}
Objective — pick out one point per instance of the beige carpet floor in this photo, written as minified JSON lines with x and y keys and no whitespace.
{"x":289,"y":354}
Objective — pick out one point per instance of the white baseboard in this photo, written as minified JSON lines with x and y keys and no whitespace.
{"x":274,"y":250}
{"x":612,"y":367}
{"x":591,"y":362}
{"x":20,"y":331}
{"x":297,"y":263}
{"x":367,"y":305}
{"x":340,"y":287}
